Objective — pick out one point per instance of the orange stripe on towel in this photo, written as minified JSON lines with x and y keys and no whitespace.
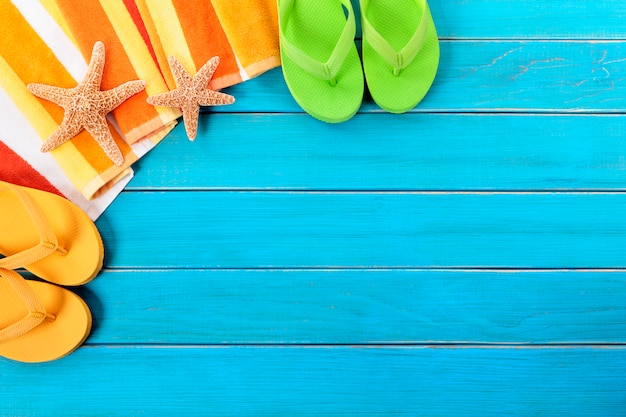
{"x":34,"y":62}
{"x":206,"y":39}
{"x":89,"y":23}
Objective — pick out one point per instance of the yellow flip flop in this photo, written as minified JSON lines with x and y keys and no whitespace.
{"x":48,"y":235}
{"x":39,"y":322}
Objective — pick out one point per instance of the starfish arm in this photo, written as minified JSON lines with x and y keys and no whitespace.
{"x":214,"y":98}
{"x":68,"y":128}
{"x":204,"y":75}
{"x":99,"y":129}
{"x":181,"y":75}
{"x":96,"y":67}
{"x":190,"y":117}
{"x":51,"y":93}
{"x":172,"y":98}
{"x":86,"y":106}
{"x":116,"y":96}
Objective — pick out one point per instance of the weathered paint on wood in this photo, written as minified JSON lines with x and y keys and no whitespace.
{"x":555,"y":19}
{"x":314,"y":381}
{"x":370,"y":306}
{"x":490,"y":76}
{"x":530,"y":19}
{"x":313,"y":230}
{"x":417,"y":152}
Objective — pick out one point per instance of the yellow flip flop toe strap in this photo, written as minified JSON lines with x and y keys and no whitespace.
{"x":36,"y":311}
{"x":48,"y":242}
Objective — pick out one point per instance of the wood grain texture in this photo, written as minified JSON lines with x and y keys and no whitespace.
{"x":434,"y":152}
{"x":501,"y":76}
{"x":556,"y":19}
{"x":339,"y":381}
{"x":356,"y":307}
{"x":299,"y":230}
{"x":532,"y":19}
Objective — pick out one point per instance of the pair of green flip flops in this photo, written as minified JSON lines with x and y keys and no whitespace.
{"x":321,"y":64}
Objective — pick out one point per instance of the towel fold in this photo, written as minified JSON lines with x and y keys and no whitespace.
{"x":50,"y":42}
{"x":251,"y":26}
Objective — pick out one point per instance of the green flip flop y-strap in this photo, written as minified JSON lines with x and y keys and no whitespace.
{"x":320,"y":62}
{"x":400,"y":52}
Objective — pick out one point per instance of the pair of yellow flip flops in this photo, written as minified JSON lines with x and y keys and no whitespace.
{"x":55,"y":240}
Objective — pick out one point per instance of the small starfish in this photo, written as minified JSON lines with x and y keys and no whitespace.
{"x":192,"y":93}
{"x":86,"y":106}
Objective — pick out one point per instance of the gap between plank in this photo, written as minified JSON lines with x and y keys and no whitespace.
{"x":390,"y":345}
{"x":554,"y":191}
{"x":512,"y":270}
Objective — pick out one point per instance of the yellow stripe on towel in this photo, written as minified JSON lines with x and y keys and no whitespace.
{"x":173,"y":42}
{"x":252,"y":29}
{"x":76,"y":168}
{"x":142,"y":62}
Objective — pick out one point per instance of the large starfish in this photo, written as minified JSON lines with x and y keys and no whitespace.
{"x":86,"y":106}
{"x":192,"y":92}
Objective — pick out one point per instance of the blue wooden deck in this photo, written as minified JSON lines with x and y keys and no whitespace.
{"x":465,"y":259}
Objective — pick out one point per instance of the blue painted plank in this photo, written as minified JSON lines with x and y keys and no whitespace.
{"x":584,"y":19}
{"x":511,"y":76}
{"x":356,"y":306}
{"x":278,"y":229}
{"x":389,"y":152}
{"x":534,"y":19}
{"x":347,"y":381}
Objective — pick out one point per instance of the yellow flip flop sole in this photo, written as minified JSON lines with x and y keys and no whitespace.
{"x":48,"y":235}
{"x":39,"y":322}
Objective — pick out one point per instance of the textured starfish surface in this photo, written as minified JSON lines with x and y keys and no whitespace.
{"x":192,"y":92}
{"x":86,"y":106}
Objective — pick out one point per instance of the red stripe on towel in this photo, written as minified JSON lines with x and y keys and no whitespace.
{"x":141,"y":27}
{"x":15,"y":170}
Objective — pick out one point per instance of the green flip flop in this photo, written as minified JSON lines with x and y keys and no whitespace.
{"x":400,"y":52}
{"x":320,"y":63}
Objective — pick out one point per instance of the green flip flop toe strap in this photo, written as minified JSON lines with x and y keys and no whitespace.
{"x":398,"y":59}
{"x":323,"y":70}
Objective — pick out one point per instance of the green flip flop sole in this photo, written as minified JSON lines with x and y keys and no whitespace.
{"x":400,"y":52}
{"x":320,"y":63}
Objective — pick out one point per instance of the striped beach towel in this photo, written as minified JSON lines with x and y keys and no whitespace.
{"x":50,"y":42}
